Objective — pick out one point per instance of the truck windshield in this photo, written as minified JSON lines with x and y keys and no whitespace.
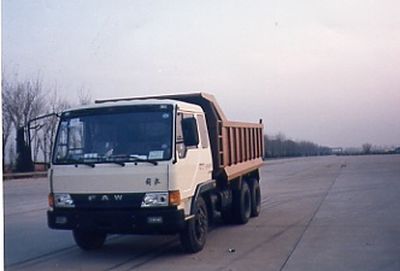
{"x":114,"y":134}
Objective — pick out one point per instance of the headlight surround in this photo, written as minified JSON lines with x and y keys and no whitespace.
{"x":155,"y":199}
{"x":63,"y":200}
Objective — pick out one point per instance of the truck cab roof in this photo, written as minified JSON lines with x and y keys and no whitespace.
{"x":151,"y":101}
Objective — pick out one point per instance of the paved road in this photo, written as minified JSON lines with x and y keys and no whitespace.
{"x":328,"y":213}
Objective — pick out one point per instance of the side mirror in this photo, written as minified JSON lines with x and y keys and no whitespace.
{"x":189,"y":130}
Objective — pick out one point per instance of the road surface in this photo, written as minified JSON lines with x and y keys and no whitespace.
{"x":322,"y":213}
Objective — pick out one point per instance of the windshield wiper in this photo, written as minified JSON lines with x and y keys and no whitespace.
{"x":105,"y":159}
{"x":130,"y":158}
{"x":93,"y":164}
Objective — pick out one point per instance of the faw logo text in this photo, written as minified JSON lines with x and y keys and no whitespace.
{"x":116,"y":197}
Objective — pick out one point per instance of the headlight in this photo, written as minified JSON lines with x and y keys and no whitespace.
{"x":157,"y":199}
{"x":63,"y":200}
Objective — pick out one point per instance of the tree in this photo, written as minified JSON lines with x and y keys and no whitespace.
{"x":7,"y":122}
{"x":22,"y":101}
{"x":84,"y":96}
{"x":366,"y":148}
{"x":279,"y":146}
{"x":24,"y":158}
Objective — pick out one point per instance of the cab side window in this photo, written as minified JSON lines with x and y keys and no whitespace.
{"x":180,"y":145}
{"x":181,"y":131}
{"x":203,"y":131}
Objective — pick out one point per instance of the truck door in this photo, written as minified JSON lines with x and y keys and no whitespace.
{"x":194,"y":164}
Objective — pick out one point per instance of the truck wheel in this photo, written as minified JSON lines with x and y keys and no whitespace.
{"x":89,"y":240}
{"x":255,"y":198}
{"x":193,"y":237}
{"x":242,"y":204}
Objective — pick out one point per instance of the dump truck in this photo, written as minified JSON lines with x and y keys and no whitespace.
{"x":170,"y":164}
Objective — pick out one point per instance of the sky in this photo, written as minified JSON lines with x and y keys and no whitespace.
{"x":324,"y":71}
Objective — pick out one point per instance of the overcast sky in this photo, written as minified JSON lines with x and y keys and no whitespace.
{"x":326,"y":71}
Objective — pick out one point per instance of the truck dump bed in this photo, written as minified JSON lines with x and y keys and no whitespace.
{"x":237,"y":147}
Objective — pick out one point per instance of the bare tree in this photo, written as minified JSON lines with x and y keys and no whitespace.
{"x":84,"y":96}
{"x":5,"y":114}
{"x":22,"y":101}
{"x":366,"y":148}
{"x":279,"y":146}
{"x":280,"y":137}
{"x":6,"y":122}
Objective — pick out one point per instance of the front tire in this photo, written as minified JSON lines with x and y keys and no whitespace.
{"x":89,"y":240}
{"x":193,"y":237}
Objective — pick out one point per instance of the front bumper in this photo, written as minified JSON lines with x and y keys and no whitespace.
{"x":146,"y":221}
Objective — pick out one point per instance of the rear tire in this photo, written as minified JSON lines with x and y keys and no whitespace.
{"x":255,"y":198}
{"x":193,"y":237}
{"x":89,"y":240}
{"x":242,"y":204}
